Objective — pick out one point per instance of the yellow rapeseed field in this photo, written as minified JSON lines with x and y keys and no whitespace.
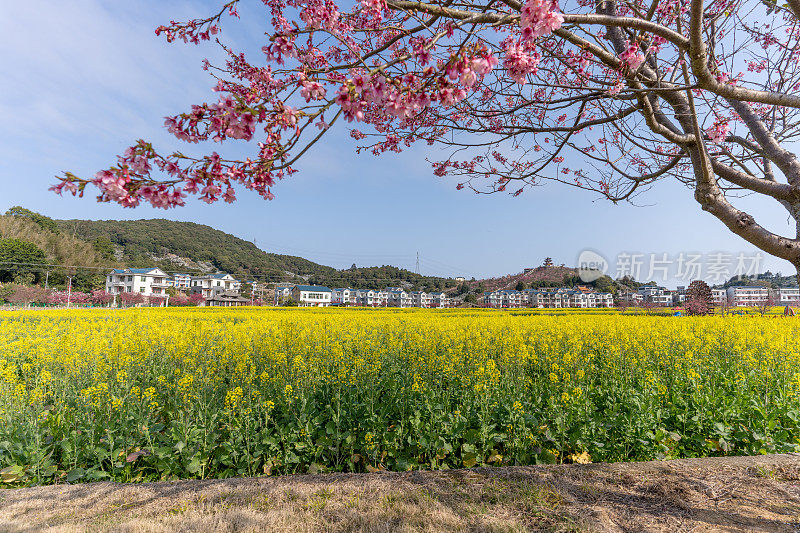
{"x":144,"y":394}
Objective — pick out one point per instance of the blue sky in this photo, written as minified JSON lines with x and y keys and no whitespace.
{"x":83,"y":79}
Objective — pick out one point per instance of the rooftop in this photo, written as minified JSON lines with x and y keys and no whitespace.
{"x":317,"y":288}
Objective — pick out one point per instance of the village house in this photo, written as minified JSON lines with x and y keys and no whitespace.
{"x":397,"y":297}
{"x":439,"y":299}
{"x":146,"y":281}
{"x":365,"y":298}
{"x":343,"y":296}
{"x":547,"y":299}
{"x":311,"y":295}
{"x":371,"y":298}
{"x":655,"y":295}
{"x":719,"y":297}
{"x":224,"y":298}
{"x":211,"y":283}
{"x":420,"y":299}
{"x":180,"y":281}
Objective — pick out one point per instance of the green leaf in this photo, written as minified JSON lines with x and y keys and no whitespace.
{"x":194,"y":466}
{"x":75,"y":474}
{"x":11,"y":474}
{"x":469,"y":460}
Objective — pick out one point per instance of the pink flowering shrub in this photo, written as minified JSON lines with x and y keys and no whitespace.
{"x":156,"y":301}
{"x":68,"y":297}
{"x":24,"y":295}
{"x":128,"y":299}
{"x":179,"y":300}
{"x":101,"y":297}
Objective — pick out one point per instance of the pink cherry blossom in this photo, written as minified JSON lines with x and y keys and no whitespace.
{"x":632,"y":56}
{"x":719,"y":131}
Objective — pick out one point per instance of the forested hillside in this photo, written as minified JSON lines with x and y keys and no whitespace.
{"x":177,"y":246}
{"x":190,"y":247}
{"x":60,"y":252}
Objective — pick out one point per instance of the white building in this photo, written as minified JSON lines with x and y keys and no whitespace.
{"x":381,"y":298}
{"x":679,"y":295}
{"x":655,"y":295}
{"x":282,"y":292}
{"x":420,"y":299}
{"x":604,"y":299}
{"x":748,"y":296}
{"x":789,"y":296}
{"x":548,"y":299}
{"x":146,"y":281}
{"x":180,"y":281}
{"x":343,"y":296}
{"x":312,"y":295}
{"x":720,"y":297}
{"x":439,"y":299}
{"x":397,"y":297}
{"x":212,"y":283}
{"x":371,"y":298}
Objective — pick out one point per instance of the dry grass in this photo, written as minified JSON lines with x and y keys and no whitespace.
{"x":730,"y":494}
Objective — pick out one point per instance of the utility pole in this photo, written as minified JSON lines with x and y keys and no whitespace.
{"x":417,"y":270}
{"x":69,"y":289}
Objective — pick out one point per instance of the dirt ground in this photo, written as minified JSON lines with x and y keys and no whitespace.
{"x":720,"y":494}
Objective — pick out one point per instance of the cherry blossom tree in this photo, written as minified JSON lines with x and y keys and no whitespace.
{"x":699,"y":298}
{"x":130,"y":299}
{"x":609,"y":96}
{"x":101,"y":297}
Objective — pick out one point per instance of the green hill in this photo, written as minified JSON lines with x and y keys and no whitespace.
{"x":178,"y":246}
{"x":189,"y":247}
{"x":65,"y":254}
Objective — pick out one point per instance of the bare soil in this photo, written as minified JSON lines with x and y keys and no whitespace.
{"x":718,"y":494}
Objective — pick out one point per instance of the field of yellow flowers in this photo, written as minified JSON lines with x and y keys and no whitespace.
{"x":146,"y":394}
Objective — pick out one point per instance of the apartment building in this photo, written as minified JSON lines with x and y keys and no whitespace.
{"x":146,"y":281}
{"x":748,"y":296}
{"x":789,"y":296}
{"x":547,"y":299}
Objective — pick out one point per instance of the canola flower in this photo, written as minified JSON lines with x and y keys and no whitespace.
{"x":146,"y":394}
